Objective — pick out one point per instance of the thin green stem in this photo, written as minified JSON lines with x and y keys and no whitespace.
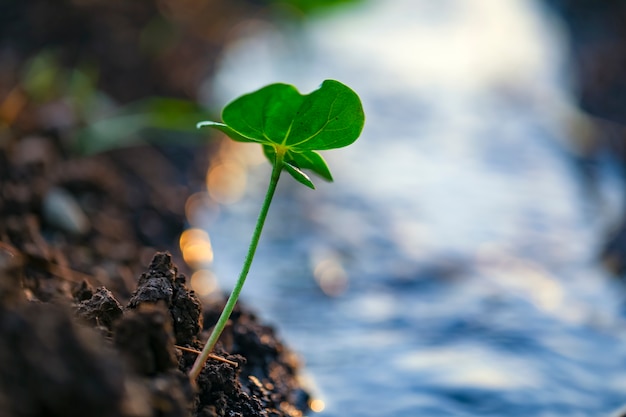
{"x":234,"y":295}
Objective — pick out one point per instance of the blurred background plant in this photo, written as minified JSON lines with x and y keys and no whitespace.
{"x":107,"y":70}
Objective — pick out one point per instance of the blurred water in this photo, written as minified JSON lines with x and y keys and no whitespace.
{"x":450,"y":269}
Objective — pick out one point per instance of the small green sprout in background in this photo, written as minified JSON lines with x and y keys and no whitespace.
{"x":291,"y":128}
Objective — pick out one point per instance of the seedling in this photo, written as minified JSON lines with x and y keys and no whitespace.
{"x":291,"y":128}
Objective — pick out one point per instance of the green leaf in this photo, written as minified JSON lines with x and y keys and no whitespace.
{"x":329,"y":117}
{"x":225,"y":129}
{"x":282,"y":120}
{"x":310,"y":160}
{"x":264,"y":115}
{"x":305,"y":160}
{"x":300,"y":176}
{"x":295,"y":172}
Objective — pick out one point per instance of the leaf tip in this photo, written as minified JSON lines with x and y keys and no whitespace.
{"x":298,"y":175}
{"x":205,"y":123}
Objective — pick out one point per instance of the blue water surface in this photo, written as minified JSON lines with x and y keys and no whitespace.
{"x":451,"y":269}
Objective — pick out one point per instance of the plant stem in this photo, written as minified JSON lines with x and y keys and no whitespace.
{"x":234,"y":295}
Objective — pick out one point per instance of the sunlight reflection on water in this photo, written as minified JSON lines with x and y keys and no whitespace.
{"x":450,"y":269}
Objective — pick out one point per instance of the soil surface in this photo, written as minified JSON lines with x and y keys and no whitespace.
{"x":85,"y":329}
{"x":91,"y":355}
{"x":92,"y":322}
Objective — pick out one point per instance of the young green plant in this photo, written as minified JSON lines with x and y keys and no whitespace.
{"x":291,"y":128}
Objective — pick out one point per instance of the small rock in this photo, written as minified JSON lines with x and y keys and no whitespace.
{"x":61,"y":210}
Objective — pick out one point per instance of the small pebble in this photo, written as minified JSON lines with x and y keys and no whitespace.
{"x":61,"y":210}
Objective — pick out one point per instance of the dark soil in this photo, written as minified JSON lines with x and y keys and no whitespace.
{"x":85,"y":329}
{"x":82,"y":330}
{"x":94,"y":357}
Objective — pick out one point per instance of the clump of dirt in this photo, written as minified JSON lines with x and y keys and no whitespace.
{"x":163,"y":284}
{"x":270,"y":373}
{"x":51,"y":363}
{"x":145,"y":338}
{"x":101,"y":309}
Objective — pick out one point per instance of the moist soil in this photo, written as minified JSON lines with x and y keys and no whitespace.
{"x":94,"y":318}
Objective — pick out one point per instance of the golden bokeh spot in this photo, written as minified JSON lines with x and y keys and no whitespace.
{"x":317,"y":405}
{"x":226,"y":182}
{"x":203,"y":282}
{"x":196,"y":247}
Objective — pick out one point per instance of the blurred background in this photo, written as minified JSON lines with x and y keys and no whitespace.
{"x":466,"y":261}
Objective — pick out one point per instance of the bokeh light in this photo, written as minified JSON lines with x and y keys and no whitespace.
{"x":196,"y":248}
